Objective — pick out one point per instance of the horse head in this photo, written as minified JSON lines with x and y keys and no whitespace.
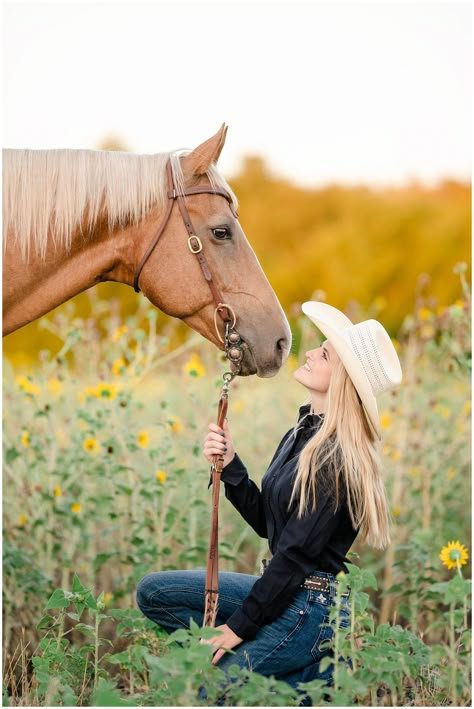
{"x":172,"y":277}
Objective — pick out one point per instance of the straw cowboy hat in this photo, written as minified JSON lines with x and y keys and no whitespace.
{"x":365,"y":350}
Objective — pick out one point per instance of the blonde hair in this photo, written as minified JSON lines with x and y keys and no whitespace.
{"x":48,"y":193}
{"x":345,"y":444}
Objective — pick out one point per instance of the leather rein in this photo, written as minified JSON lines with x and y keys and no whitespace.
{"x":233,"y":345}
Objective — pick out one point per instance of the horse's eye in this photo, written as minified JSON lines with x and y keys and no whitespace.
{"x":222,"y":233}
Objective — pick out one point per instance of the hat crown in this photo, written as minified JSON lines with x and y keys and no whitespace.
{"x":365,"y":350}
{"x":375,"y":351}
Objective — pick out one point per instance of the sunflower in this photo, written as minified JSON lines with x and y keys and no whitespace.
{"x":119,"y":367}
{"x":102,"y":391}
{"x":106,"y":391}
{"x":194,"y":366}
{"x":143,"y":439}
{"x":26,"y":384}
{"x":161,"y":476}
{"x":55,"y":385}
{"x":119,"y":332}
{"x":91,"y":445}
{"x":454,"y":554}
{"x":175,"y":424}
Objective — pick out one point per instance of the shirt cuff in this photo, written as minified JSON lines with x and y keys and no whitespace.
{"x":235,"y":472}
{"x":242,"y":626}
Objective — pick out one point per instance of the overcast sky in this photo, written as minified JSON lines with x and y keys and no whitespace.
{"x":348,"y":92}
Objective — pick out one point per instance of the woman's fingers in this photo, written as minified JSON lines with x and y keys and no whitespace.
{"x":214,"y":428}
{"x":215,"y":439}
{"x":217,"y":656}
{"x":218,"y":442}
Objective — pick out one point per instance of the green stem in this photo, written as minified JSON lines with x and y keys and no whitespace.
{"x":337,"y":636}
{"x":353,"y":640}
{"x":130,"y":676}
{"x":96,"y":650}
{"x":458,"y":565}
{"x":452,"y":645}
{"x":62,"y":617}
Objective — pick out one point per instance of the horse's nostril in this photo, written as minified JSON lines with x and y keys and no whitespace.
{"x":282,"y":344}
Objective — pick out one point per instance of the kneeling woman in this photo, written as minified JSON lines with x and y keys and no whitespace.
{"x":322,"y":488}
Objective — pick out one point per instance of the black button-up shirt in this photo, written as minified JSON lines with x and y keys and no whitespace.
{"x":318,"y":541}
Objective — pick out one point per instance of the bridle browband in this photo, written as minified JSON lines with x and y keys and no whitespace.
{"x":233,"y":346}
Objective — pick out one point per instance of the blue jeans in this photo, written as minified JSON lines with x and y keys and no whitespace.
{"x":290,"y":648}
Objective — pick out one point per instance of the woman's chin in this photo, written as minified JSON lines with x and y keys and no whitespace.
{"x":298,"y":374}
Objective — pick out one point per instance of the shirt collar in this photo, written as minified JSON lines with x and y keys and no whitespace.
{"x":306,"y":420}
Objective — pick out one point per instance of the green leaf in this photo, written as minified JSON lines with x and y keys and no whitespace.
{"x":46,"y":622}
{"x":179,"y":636}
{"x":79,"y":606}
{"x":90,"y":601}
{"x":85,"y":629}
{"x":11,"y":455}
{"x":107,"y":695}
{"x":58,"y":600}
{"x":325,"y":663}
{"x":77,"y":586}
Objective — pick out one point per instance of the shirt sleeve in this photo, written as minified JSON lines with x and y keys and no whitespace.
{"x":296,"y":555}
{"x":244,"y":495}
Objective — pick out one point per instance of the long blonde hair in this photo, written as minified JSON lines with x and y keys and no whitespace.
{"x":345,"y":444}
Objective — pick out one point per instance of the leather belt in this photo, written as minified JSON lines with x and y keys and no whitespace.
{"x":314,"y":582}
{"x":321,"y":584}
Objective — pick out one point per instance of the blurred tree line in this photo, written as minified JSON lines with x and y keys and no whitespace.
{"x":347,"y":244}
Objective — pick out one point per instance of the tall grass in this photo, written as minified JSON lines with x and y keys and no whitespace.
{"x":104,"y":481}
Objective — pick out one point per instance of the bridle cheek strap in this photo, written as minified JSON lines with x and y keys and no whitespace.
{"x":194,"y":242}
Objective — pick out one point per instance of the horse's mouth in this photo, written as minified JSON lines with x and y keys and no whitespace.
{"x":247,"y":364}
{"x":250,"y":366}
{"x":265,"y":364}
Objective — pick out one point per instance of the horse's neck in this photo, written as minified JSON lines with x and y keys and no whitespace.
{"x":33,"y":288}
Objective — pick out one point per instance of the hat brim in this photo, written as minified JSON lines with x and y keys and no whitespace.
{"x":332,"y":323}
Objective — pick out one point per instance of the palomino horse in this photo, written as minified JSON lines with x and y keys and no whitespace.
{"x":74,"y":218}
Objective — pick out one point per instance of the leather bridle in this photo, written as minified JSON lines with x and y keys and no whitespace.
{"x":233,"y":345}
{"x":194,"y":242}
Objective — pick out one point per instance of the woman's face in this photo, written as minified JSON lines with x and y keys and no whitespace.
{"x":315,"y":373}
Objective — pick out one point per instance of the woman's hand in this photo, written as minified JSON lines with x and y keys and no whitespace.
{"x":224,"y":642}
{"x":219,"y":442}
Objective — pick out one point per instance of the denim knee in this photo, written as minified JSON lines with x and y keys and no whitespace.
{"x":144,"y":589}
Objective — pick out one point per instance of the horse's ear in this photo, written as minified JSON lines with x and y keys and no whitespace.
{"x":201,"y":158}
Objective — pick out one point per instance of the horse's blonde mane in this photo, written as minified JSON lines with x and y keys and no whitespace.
{"x":48,"y":193}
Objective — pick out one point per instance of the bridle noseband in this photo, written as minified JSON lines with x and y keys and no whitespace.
{"x":232,"y":340}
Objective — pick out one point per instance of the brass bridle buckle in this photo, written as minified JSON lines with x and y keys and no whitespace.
{"x":195,"y":244}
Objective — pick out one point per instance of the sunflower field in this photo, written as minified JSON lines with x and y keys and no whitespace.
{"x":104,"y":481}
